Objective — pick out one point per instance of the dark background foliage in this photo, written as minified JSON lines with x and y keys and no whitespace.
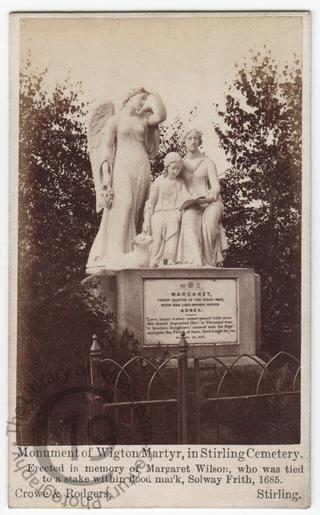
{"x":260,"y":130}
{"x":261,"y":135}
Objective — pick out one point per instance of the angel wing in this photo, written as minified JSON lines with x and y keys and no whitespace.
{"x":96,"y":134}
{"x":98,"y":119}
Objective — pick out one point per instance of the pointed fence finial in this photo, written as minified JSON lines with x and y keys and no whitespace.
{"x":95,"y":347}
{"x":183,"y":344}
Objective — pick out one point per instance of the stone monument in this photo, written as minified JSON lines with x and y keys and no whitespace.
{"x":218,"y":309}
{"x":159,"y":257}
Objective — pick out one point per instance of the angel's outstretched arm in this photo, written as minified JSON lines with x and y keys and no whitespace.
{"x":159,"y":112}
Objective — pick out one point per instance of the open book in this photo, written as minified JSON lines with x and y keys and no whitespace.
{"x":193,"y":202}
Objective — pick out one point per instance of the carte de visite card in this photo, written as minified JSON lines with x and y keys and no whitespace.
{"x":159,"y":264}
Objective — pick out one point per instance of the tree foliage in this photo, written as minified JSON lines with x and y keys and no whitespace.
{"x":57,"y":316}
{"x":170,"y":141}
{"x":260,"y":130}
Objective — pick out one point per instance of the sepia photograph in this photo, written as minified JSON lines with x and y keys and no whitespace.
{"x":160,"y":255}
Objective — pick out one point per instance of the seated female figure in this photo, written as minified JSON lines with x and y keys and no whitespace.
{"x":202,"y":239}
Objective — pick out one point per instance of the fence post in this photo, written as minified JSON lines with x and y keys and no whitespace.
{"x":183,"y":372}
{"x":95,"y":355}
{"x":93,"y":398}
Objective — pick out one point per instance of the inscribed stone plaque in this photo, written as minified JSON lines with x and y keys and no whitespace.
{"x":206,"y":309}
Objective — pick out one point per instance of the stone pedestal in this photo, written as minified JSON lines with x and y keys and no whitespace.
{"x":217,"y":308}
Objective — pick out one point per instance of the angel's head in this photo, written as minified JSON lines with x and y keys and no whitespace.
{"x":173,"y":165}
{"x":135,"y":98}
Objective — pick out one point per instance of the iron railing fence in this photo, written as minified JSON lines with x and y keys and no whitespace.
{"x":172,"y":401}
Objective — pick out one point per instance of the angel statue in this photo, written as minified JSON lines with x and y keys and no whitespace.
{"x":120,"y":146}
